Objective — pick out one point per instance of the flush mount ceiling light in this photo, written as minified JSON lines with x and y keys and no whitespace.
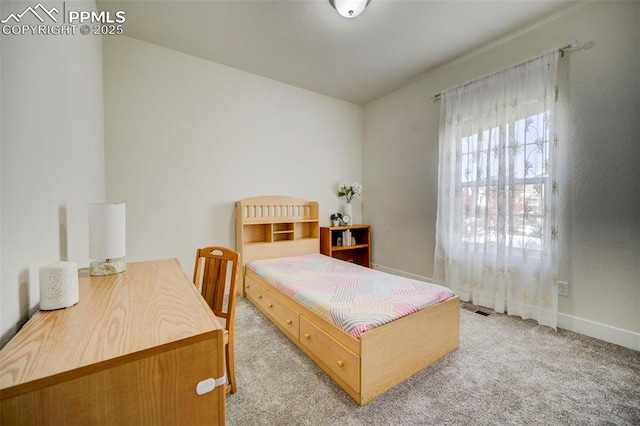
{"x":349,"y":8}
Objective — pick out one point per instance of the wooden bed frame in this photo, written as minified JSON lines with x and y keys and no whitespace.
{"x":275,"y":226}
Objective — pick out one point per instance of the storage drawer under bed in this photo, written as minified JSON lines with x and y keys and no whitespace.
{"x":275,"y":309}
{"x":340,"y":360}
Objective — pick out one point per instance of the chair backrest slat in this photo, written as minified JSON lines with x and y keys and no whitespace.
{"x":215,"y":272}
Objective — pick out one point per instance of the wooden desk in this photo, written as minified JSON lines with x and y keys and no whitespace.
{"x":130,"y":352}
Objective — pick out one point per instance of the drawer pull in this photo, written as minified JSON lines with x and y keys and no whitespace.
{"x":259,"y":296}
{"x":270,"y":305}
{"x":340,"y":363}
{"x":307,"y":336}
{"x":289,"y":322}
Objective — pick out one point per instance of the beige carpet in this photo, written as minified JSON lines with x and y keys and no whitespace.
{"x":506,"y":372}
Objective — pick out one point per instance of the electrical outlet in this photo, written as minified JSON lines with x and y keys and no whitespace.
{"x":563,"y":288}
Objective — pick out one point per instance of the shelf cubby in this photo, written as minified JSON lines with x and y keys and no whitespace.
{"x":359,"y":253}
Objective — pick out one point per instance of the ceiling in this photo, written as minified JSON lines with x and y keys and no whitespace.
{"x":306,"y":43}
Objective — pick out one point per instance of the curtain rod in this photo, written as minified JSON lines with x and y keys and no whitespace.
{"x":576,"y":44}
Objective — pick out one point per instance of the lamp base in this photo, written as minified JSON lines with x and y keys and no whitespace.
{"x":108,"y":266}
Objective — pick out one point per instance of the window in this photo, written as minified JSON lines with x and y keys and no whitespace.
{"x":522,"y":149}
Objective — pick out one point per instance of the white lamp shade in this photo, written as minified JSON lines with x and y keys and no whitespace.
{"x":350,"y":8}
{"x":107,"y":230}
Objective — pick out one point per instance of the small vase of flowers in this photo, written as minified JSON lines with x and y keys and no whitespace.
{"x":349,"y":192}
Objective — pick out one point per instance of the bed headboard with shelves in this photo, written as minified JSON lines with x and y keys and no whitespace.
{"x":275,"y":226}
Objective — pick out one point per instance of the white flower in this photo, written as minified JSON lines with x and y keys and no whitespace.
{"x":357,"y":188}
{"x":349,"y":191}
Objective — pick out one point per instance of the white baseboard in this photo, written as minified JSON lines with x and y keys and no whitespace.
{"x":400,"y":273}
{"x":614,"y":335}
{"x":618,"y":336}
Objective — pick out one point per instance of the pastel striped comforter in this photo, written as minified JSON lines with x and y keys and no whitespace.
{"x":355,"y":298}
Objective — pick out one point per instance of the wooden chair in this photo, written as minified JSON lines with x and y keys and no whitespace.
{"x":210,"y":276}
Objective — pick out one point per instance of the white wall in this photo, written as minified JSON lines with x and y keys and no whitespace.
{"x":52,"y":160}
{"x":600,"y":234}
{"x":185,"y":138}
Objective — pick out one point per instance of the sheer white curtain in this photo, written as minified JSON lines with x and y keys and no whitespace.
{"x":496,"y":231}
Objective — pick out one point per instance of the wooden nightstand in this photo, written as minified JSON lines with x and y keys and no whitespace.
{"x":359,"y":253}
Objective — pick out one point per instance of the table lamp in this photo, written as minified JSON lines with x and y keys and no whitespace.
{"x":107,"y":238}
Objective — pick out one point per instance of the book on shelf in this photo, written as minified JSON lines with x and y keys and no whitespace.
{"x":346,"y":237}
